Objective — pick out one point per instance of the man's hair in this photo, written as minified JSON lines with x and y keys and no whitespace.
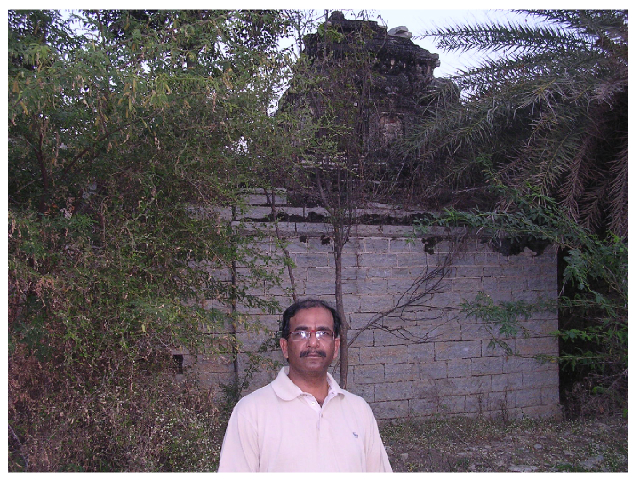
{"x":304,"y":305}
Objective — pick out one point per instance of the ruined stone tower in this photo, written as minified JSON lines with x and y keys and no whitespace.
{"x":393,"y":83}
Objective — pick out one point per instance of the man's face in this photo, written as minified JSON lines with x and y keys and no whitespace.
{"x":310,"y":357}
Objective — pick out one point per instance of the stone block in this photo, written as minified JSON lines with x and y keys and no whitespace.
{"x":423,"y":407}
{"x":431,"y":371}
{"x":398,"y":336}
{"x":354,"y":355}
{"x":540,"y":327}
{"x":540,"y":379}
{"x":375,"y":303}
{"x":490,"y":348}
{"x":464,"y":385}
{"x":363,"y":338}
{"x":439,"y":330}
{"x":410,"y":259}
{"x":349,"y":260}
{"x":502,"y":284}
{"x":399,"y":372}
{"x":544,"y":283}
{"x":373,"y":286}
{"x":377,"y":260}
{"x":530,"y":296}
{"x":458,"y":349}
{"x":468,"y":271}
{"x":487,"y":365}
{"x":537,"y":346}
{"x":550,"y":395}
{"x":363,"y":374}
{"x":361,"y":389}
{"x":385,"y":392}
{"x":543,"y":411}
{"x":321,"y":274}
{"x":314,"y":289}
{"x":421,"y":353}
{"x":506,"y":381}
{"x":294,"y":245}
{"x":351,"y":303}
{"x":444,"y":298}
{"x":360,"y":320}
{"x":321,"y":244}
{"x":384,"y":355}
{"x":312,"y":260}
{"x":470,"y":258}
{"x":378,"y":272}
{"x":528,"y":397}
{"x":527,"y":364}
{"x":459,"y":367}
{"x":502,"y":400}
{"x":398,"y":231}
{"x":376,"y":245}
{"x":476,"y":404}
{"x":400,"y":285}
{"x":475,"y":331}
{"x":451,"y":404}
{"x":390,"y":410}
{"x":405,"y":245}
{"x":413,"y":271}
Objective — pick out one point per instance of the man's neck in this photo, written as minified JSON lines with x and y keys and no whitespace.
{"x":318,"y":386}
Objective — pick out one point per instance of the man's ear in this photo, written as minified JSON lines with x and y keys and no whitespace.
{"x":283,"y":347}
{"x":336,"y":349}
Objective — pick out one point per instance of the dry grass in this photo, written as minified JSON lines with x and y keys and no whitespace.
{"x":481,"y":445}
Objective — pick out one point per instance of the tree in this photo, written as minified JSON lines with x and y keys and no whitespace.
{"x":126,"y":128}
{"x":325,"y":110}
{"x":548,"y":109}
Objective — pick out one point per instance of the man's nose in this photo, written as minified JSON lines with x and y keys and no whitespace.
{"x":313,"y":339}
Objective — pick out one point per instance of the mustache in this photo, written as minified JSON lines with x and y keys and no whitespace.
{"x":306,"y":353}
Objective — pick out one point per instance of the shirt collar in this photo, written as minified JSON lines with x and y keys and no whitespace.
{"x":287,"y":390}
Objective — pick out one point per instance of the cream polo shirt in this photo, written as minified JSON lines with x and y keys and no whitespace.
{"x":279,"y":428}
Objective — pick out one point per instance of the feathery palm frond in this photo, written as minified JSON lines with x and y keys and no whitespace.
{"x":550,"y":111}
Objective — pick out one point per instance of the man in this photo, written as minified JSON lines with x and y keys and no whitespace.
{"x":303,"y":421}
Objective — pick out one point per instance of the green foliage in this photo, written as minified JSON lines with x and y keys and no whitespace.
{"x":506,"y":316}
{"x":125,"y":142}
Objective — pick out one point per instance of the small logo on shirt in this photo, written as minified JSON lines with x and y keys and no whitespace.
{"x":355,"y":434}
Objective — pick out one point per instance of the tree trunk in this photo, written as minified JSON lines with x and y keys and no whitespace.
{"x":344,"y":329}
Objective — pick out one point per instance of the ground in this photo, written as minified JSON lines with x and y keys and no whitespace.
{"x":598,"y":444}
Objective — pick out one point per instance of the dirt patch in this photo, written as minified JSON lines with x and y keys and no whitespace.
{"x":482,"y":445}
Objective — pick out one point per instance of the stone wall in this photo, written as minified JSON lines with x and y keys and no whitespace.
{"x":414,"y":358}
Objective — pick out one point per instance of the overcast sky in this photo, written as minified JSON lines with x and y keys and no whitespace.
{"x":419,"y":21}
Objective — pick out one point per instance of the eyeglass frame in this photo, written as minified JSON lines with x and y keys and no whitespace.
{"x":306,"y":335}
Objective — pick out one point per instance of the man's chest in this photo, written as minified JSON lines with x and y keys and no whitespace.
{"x":299,"y":437}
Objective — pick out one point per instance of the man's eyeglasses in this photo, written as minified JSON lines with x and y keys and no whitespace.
{"x":321,"y":335}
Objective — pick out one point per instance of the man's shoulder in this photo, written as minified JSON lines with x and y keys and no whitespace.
{"x":257,"y":397}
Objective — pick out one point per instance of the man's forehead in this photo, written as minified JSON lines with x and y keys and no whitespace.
{"x":312,"y":316}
